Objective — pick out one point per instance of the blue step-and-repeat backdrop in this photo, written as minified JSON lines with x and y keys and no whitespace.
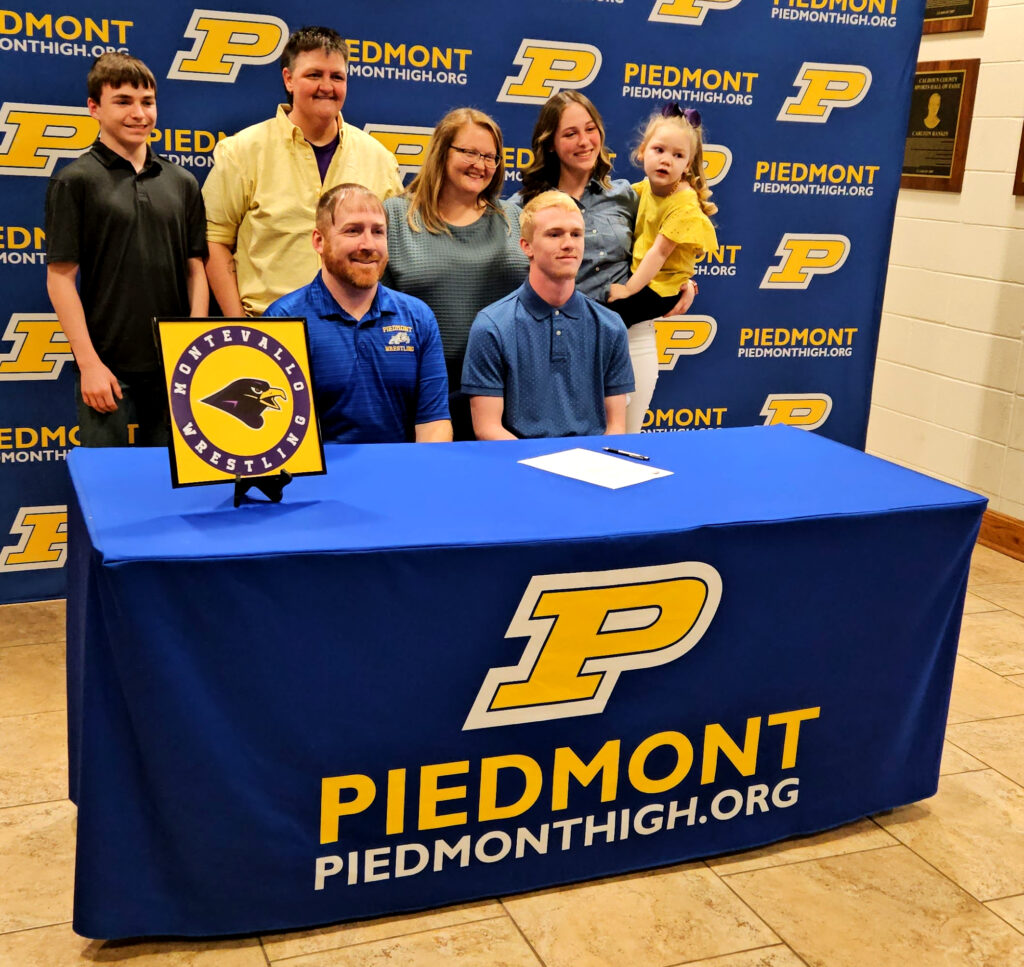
{"x":804,"y":104}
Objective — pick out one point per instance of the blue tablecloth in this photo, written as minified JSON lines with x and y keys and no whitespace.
{"x":286,"y":715}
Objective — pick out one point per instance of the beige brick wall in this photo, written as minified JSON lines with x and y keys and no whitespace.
{"x":948,"y":395}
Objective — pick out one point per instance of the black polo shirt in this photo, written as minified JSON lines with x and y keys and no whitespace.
{"x":131,"y":235}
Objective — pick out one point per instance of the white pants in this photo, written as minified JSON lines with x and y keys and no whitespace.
{"x":643,"y":353}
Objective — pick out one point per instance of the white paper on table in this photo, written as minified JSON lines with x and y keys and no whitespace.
{"x":602,"y":469}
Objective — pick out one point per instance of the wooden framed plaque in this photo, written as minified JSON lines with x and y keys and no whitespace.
{"x":939,"y":127}
{"x":1018,"y":178}
{"x":949,"y":16}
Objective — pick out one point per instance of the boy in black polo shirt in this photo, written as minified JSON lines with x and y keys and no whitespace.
{"x":132,"y":226}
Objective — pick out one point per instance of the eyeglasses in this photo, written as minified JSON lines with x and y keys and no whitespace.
{"x":489,"y":160}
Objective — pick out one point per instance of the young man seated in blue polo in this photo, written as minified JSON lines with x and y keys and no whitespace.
{"x":378,"y":367}
{"x":546,"y":361}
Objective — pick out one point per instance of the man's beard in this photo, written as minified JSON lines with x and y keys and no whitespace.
{"x":361,"y":275}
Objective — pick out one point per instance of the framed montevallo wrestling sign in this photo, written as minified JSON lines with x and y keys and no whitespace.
{"x":241,"y":399}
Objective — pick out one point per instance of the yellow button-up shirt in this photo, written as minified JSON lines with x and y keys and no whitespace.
{"x":261,"y":199}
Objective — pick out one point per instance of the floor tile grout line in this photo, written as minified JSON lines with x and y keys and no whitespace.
{"x":519,"y":930}
{"x":40,"y":926}
{"x":733,"y":953}
{"x":377,"y":940}
{"x":812,"y":859}
{"x":61,"y":641}
{"x":960,"y":653}
{"x":899,"y":843}
{"x":942,"y":873}
{"x":41,"y":802}
{"x":995,"y":718}
{"x":1009,"y":779}
{"x":23,"y":715}
{"x":1013,"y":926}
{"x":753,"y":909}
{"x":988,"y":668}
{"x":973,"y":755}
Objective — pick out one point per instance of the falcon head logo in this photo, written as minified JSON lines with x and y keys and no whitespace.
{"x":246,"y":399}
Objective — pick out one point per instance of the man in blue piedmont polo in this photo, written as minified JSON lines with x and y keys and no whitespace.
{"x":378,"y":367}
{"x":546,"y":361}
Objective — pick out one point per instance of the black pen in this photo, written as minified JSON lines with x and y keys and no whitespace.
{"x":625,"y":453}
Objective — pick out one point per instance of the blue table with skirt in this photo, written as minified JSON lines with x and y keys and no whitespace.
{"x":436,"y":674}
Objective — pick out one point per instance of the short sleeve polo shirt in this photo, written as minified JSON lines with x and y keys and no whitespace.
{"x":375,"y":379}
{"x":131,"y":235}
{"x":554,"y":365}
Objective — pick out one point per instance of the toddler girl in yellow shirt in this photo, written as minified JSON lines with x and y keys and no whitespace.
{"x":672,"y":231}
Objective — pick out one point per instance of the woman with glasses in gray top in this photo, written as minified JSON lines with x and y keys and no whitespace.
{"x":452,"y":241}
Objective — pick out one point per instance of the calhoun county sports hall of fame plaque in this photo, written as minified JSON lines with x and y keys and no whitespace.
{"x":941,"y":107}
{"x":241,"y":399}
{"x":950,"y":16}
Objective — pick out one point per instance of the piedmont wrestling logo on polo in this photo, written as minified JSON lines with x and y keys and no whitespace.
{"x":225,"y":42}
{"x":585,"y":629}
{"x":240,"y":399}
{"x":42,"y":543}
{"x":34,"y":136}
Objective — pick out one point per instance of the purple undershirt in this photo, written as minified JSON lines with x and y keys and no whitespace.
{"x":324,"y":154}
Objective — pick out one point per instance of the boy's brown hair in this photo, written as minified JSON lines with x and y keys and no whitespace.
{"x":115,"y":69}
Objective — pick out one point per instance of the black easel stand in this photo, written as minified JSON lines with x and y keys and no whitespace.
{"x":271,"y":487}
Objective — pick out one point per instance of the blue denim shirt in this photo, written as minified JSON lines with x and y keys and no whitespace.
{"x":609,"y":215}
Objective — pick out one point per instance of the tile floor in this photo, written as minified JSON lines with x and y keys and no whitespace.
{"x":940,"y":882}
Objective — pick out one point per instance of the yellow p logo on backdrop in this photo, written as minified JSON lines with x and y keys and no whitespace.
{"x":43,"y":542}
{"x":803,"y":256}
{"x":547,"y":67}
{"x":34,"y":136}
{"x":677,"y":336}
{"x":407,"y":143}
{"x":690,"y":12}
{"x":224,"y":42}
{"x":796,"y":409}
{"x":585,"y":629}
{"x":40,"y":347}
{"x":822,"y":88}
